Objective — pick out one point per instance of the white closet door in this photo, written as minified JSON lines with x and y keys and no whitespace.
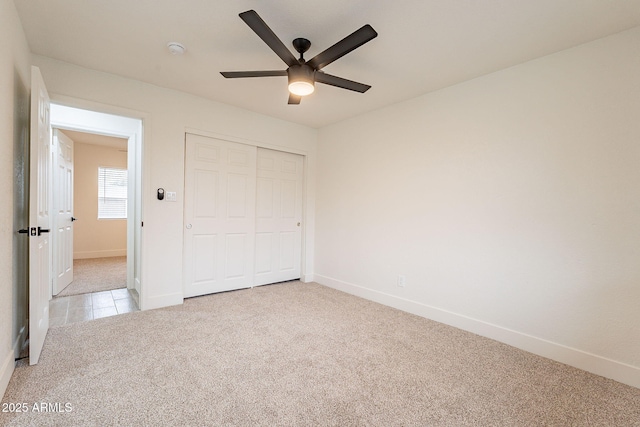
{"x":278,"y":216}
{"x":220,"y":180}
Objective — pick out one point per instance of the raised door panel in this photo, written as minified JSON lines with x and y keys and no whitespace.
{"x":264,"y":246}
{"x":236,"y":266}
{"x":239,"y":202}
{"x":204,"y":258}
{"x":206,"y":185}
{"x":265,"y":208}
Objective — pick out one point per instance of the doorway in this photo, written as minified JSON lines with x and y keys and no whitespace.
{"x":102,"y":212}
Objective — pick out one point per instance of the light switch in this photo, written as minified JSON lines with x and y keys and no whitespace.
{"x":171,"y":196}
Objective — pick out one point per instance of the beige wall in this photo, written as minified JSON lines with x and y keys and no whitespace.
{"x":94,"y":238}
{"x":14,"y":114}
{"x":510,"y":202}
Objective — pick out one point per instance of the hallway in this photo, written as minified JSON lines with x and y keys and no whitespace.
{"x":78,"y":308}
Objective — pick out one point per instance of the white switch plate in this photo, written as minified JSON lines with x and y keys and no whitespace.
{"x":171,"y":196}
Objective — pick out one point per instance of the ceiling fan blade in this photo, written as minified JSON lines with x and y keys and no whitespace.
{"x":344,"y":46}
{"x":253,"y":20}
{"x":239,"y":74}
{"x":328,"y":79}
{"x":294,"y":99}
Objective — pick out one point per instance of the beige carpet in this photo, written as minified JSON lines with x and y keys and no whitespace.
{"x":301,"y":355}
{"x":96,"y":275}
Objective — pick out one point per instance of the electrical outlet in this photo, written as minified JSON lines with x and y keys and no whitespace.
{"x":402,"y":280}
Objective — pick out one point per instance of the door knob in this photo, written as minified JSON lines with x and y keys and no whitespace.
{"x":188,"y":226}
{"x":73,"y":219}
{"x":33,"y":231}
{"x":30,"y":231}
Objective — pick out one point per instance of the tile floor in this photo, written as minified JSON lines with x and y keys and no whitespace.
{"x":78,"y":308}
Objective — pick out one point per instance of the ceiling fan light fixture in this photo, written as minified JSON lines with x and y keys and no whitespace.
{"x":301,"y":88}
{"x":301,"y":81}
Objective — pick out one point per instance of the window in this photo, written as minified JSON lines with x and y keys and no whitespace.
{"x":112,"y":193}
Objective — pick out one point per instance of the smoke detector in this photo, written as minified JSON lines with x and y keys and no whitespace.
{"x":176,"y":48}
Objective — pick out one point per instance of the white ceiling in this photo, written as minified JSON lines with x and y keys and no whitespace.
{"x":422,"y":46}
{"x":95,"y":139}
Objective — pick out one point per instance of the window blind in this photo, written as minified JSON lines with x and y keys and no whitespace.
{"x":112,"y":193}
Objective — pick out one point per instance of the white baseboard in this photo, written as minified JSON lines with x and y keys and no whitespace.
{"x":100,"y":254}
{"x":6,"y":370}
{"x":593,"y":363}
{"x":161,"y":301}
{"x":306,"y":278}
{"x":9,"y":364}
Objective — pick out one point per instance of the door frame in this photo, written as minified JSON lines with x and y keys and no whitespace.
{"x":81,"y":116}
{"x":308,"y":186}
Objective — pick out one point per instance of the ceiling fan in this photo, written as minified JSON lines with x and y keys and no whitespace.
{"x":304,"y":74}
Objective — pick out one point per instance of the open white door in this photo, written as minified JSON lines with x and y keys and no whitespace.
{"x":39,"y":207}
{"x":63,"y":211}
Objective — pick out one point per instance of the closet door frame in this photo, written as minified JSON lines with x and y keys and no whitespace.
{"x":306,"y":221}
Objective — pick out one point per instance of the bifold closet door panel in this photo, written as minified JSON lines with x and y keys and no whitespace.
{"x":219,"y":215}
{"x":278,"y":216}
